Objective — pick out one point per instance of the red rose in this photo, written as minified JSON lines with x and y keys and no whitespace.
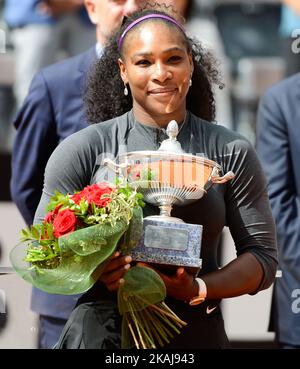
{"x":64,"y":223}
{"x":49,"y":217}
{"x":97,"y":197}
{"x":86,"y":192}
{"x":94,"y":194}
{"x":77,"y":197}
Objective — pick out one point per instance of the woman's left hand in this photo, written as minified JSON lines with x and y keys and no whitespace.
{"x":181,"y":285}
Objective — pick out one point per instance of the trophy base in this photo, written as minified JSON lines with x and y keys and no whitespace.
{"x":169,"y":244}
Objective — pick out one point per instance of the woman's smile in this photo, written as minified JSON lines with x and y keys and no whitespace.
{"x":163,"y":91}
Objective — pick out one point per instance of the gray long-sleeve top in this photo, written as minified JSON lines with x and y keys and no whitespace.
{"x":241,"y":204}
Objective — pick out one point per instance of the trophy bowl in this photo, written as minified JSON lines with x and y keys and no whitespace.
{"x":169,"y":177}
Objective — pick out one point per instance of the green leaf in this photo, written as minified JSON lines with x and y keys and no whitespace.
{"x":49,"y":229}
{"x":25,"y":232}
{"x":35,"y":232}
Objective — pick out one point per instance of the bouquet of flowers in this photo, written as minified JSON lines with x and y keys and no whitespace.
{"x":67,"y":252}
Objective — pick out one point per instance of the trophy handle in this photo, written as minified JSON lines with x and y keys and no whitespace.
{"x":215,"y":177}
{"x":117,"y":168}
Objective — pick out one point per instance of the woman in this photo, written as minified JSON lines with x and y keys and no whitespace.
{"x":162,"y":75}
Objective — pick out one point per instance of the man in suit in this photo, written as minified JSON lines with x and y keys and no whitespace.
{"x":53,"y":109}
{"x":278,"y":146}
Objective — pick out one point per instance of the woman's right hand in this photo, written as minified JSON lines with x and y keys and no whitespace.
{"x":114,"y":270}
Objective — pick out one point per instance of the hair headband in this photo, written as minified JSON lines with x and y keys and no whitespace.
{"x":145,"y":17}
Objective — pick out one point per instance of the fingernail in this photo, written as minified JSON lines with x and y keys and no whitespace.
{"x":180,"y":271}
{"x":121,"y":281}
{"x":127,"y":266}
{"x":117,"y":253}
{"x":128,"y":259}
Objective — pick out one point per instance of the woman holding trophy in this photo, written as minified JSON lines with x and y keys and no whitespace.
{"x":150,"y":74}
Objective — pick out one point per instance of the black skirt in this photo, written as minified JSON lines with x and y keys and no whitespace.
{"x":96,"y":324}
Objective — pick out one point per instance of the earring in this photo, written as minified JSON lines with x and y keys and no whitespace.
{"x":190,"y":83}
{"x":125,"y":90}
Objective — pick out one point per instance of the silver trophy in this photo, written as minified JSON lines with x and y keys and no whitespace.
{"x":169,"y":177}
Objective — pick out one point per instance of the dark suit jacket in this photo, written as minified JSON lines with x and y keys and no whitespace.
{"x":52,"y":111}
{"x":278,"y":146}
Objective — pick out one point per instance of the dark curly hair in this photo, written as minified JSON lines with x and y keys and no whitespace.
{"x":104,"y":97}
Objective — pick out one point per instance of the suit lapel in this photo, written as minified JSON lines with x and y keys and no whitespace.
{"x":84,"y":64}
{"x":88,"y":58}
